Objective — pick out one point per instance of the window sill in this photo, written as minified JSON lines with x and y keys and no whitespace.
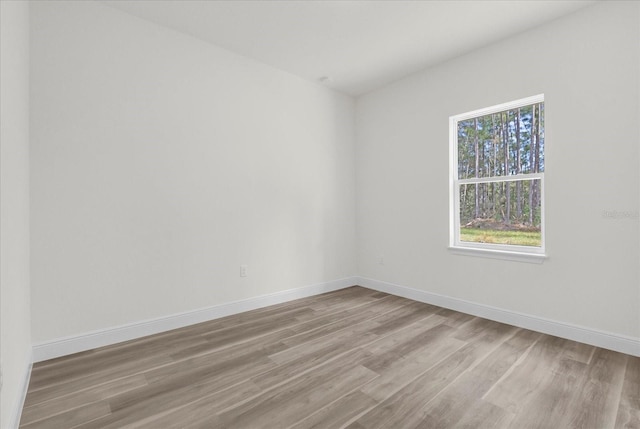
{"x":531,"y":258}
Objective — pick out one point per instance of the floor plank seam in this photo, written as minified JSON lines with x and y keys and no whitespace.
{"x":504,"y":376}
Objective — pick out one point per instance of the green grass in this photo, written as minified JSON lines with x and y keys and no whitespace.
{"x":521,"y":238}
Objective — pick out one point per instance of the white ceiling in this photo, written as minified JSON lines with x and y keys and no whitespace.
{"x":360,"y":45}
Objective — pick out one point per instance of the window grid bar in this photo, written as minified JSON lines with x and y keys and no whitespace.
{"x":512,"y":178}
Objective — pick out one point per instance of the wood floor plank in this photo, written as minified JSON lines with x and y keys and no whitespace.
{"x":406,"y":407}
{"x":334,"y":322}
{"x":285,"y":406}
{"x":403,"y":316}
{"x":532,"y":372}
{"x":86,"y":367}
{"x":217,"y":376}
{"x":334,"y":353}
{"x":399,"y":372}
{"x":191,"y":404}
{"x":154,"y":345}
{"x":258,"y":347}
{"x":600,"y":391}
{"x":628,"y":415}
{"x":346,"y":299}
{"x":353,"y":358}
{"x":270,"y":342}
{"x":480,"y":415}
{"x":463,"y":397}
{"x":299,"y":359}
{"x":196,"y":413}
{"x":578,"y":351}
{"x":455,"y":319}
{"x":249,"y":330}
{"x":72,"y":418}
{"x":338,"y":413}
{"x":41,"y":411}
{"x":555,"y":399}
{"x":405,"y":342}
{"x":470,"y":328}
{"x":181,"y":389}
{"x":354,"y":335}
{"x":60,"y":387}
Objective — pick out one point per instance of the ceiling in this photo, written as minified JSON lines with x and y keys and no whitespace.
{"x":358,"y":45}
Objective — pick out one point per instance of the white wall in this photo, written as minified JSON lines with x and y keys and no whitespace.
{"x":160,"y":164}
{"x":588,"y":66}
{"x":15,"y":335}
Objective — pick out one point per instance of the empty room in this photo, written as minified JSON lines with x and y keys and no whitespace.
{"x":320,"y":214}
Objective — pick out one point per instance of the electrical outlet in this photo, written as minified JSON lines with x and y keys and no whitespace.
{"x":381,"y":260}
{"x":1,"y":377}
{"x":243,"y":271}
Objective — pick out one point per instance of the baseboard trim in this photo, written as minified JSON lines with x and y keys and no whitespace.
{"x":14,"y":420}
{"x":91,"y":340}
{"x":104,"y":337}
{"x":606,"y":340}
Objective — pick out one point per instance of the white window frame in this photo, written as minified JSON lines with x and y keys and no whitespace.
{"x":498,"y":251}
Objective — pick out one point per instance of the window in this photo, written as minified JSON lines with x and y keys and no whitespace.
{"x":497,"y":181}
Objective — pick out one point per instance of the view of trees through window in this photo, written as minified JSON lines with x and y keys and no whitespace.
{"x":500,"y":161}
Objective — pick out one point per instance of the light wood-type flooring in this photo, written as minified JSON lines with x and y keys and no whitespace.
{"x":353,"y":358}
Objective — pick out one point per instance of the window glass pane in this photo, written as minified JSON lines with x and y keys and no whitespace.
{"x":501,"y":213}
{"x":501,"y":144}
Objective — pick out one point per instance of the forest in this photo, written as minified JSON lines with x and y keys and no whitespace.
{"x":500,"y":161}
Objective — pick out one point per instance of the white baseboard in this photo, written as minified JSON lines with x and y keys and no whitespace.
{"x":105,"y":337}
{"x":606,"y":340}
{"x":16,"y":411}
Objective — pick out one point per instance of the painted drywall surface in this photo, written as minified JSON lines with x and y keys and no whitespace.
{"x":161,"y":164}
{"x":587,"y":65}
{"x":15,"y":336}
